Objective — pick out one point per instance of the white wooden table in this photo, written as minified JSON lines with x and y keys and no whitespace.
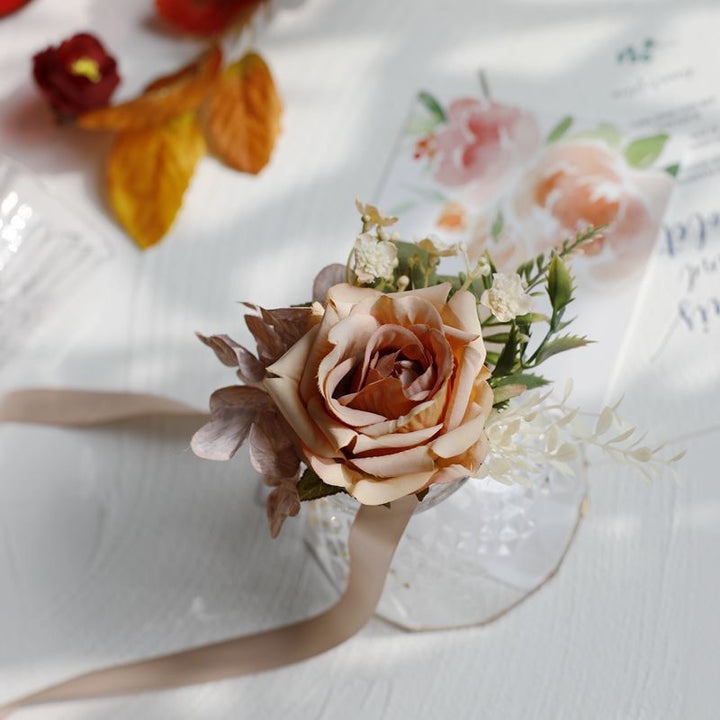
{"x":117,"y":544}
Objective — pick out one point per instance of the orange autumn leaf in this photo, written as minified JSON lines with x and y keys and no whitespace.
{"x":148,"y":171}
{"x":243,"y":115}
{"x":162,"y":100}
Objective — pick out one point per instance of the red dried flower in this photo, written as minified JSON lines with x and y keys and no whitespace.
{"x":205,"y":17}
{"x":77,"y":76}
{"x":10,"y":6}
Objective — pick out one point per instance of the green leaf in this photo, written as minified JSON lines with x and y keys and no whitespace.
{"x":559,"y":284}
{"x":413,"y":261}
{"x":673,"y":170}
{"x":420,"y":495}
{"x":421,"y":125}
{"x":500,"y":338}
{"x":527,"y":379}
{"x":432,"y":106}
{"x":561,"y":344}
{"x":506,"y":361}
{"x":427,"y":193}
{"x":606,"y":132}
{"x":530,"y":318}
{"x":311,"y":487}
{"x":645,"y":151}
{"x":560,"y":129}
{"x":497,"y":226}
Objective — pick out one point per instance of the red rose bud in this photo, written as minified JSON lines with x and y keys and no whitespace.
{"x":77,"y":76}
{"x":205,"y":17}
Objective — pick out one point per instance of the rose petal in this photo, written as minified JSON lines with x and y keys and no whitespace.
{"x":383,"y":399}
{"x":343,"y":297}
{"x":459,"y":440}
{"x":469,"y":367}
{"x":321,"y":347}
{"x":392,"y":337}
{"x":348,"y":415}
{"x":378,"y":492}
{"x":332,"y":472}
{"x":405,"y":462}
{"x":292,"y":363}
{"x":436,"y":294}
{"x":365,"y":443}
{"x":423,"y":415}
{"x":284,"y":393}
{"x":451,"y":473}
{"x":401,"y":309}
{"x":337,"y":433}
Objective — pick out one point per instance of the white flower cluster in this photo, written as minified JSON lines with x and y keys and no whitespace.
{"x":374,"y":258}
{"x":374,"y":255}
{"x":533,"y":433}
{"x":507,"y":298}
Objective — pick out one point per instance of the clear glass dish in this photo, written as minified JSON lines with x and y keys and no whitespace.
{"x":46,"y":248}
{"x":471,"y":552}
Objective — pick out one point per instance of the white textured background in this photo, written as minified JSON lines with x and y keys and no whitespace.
{"x":116,"y":544}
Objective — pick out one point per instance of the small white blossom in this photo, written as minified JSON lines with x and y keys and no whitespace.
{"x":482,"y":269}
{"x":373,"y":215}
{"x":374,"y":258}
{"x":435,"y":247}
{"x":506,"y":298}
{"x":402,"y":282}
{"x":535,"y":433}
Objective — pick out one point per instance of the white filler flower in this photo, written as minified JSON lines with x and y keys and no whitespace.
{"x":374,"y":258}
{"x":507,"y":297}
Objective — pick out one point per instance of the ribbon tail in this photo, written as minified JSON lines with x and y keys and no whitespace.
{"x":84,"y":408}
{"x":374,"y":537}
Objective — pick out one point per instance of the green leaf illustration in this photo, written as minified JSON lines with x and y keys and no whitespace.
{"x":560,"y":129}
{"x":311,"y":487}
{"x":421,"y":125}
{"x":606,"y":132}
{"x":673,"y":170}
{"x":497,"y":226}
{"x":645,"y":151}
{"x":433,"y":107}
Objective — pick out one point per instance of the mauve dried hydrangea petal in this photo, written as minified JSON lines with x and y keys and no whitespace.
{"x":330,"y":275}
{"x":269,"y":345}
{"x":272,"y":451}
{"x":230,"y":353}
{"x":282,"y":503}
{"x":232,"y":413}
{"x":276,"y":331}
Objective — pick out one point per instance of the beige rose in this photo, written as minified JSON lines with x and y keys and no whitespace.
{"x":389,"y":393}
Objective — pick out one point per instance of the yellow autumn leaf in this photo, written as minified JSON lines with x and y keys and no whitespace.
{"x":148,"y":172}
{"x":243,"y":115}
{"x":162,"y":100}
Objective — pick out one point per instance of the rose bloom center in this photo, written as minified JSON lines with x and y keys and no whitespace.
{"x":400,"y":367}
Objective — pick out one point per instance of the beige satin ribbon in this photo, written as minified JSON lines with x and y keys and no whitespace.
{"x":374,"y":537}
